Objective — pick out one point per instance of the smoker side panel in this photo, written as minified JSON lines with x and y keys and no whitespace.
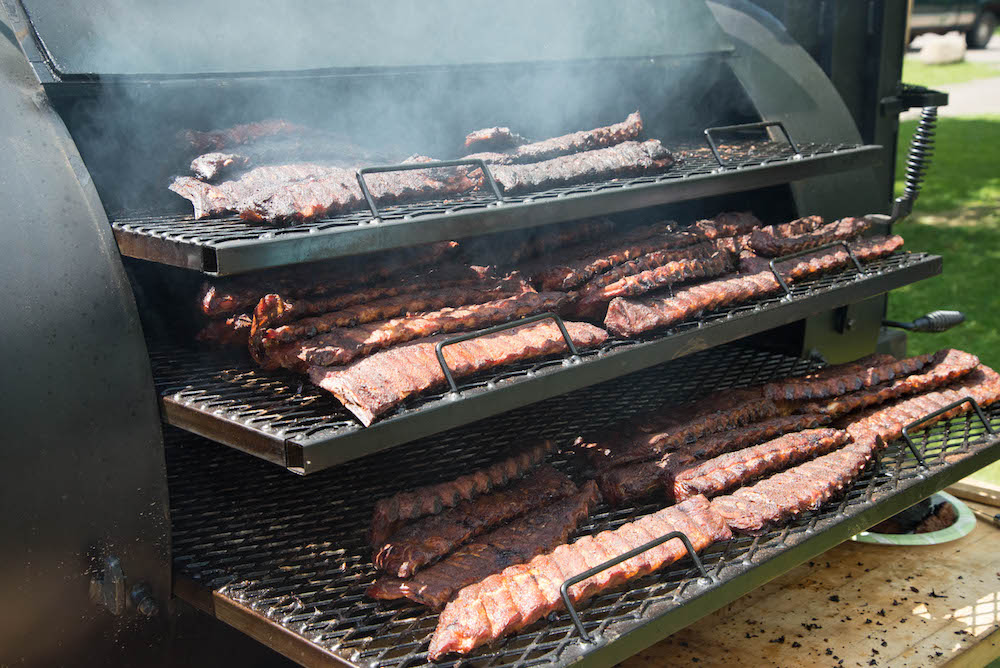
{"x":83,"y":473}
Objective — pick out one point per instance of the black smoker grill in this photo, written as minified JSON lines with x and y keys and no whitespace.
{"x":126,"y":513}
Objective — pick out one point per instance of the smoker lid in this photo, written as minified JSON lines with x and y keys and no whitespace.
{"x":199,"y":37}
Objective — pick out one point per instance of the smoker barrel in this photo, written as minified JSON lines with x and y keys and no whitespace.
{"x":113,"y":501}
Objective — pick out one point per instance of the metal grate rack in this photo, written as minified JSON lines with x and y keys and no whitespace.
{"x":229,"y":245}
{"x":281,"y":417}
{"x":285,"y":558}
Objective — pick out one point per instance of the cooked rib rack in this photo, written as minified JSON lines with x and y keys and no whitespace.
{"x":288,"y":556}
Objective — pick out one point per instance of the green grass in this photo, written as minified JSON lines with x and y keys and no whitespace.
{"x":957,"y":217}
{"x":915,"y":72}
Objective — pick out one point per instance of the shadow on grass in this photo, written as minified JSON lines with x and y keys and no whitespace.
{"x":965,"y":168}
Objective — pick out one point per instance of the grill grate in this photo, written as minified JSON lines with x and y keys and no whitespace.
{"x":230,"y":245}
{"x":292,"y":549}
{"x":281,"y":417}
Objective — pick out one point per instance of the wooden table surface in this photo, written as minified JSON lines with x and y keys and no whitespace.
{"x":858,"y":605}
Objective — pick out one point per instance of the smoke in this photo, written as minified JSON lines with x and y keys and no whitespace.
{"x":400,"y":77}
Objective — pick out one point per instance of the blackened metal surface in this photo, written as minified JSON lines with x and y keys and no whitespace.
{"x":82,"y":474}
{"x":289,"y":553}
{"x":229,"y":245}
{"x":281,"y":417}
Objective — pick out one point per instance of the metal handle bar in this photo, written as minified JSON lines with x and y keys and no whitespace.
{"x":412,"y":166}
{"x":792,"y":256}
{"x":580,"y":577}
{"x":439,"y":349}
{"x":941,"y":411}
{"x":746,"y":126}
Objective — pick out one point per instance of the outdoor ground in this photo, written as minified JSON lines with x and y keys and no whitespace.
{"x":957,"y":214}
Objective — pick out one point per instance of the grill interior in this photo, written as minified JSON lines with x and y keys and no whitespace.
{"x":281,"y":417}
{"x":290,"y":552}
{"x":231,"y":245}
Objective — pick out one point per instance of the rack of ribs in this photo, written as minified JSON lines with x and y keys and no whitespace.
{"x":520,"y":595}
{"x":427,"y":540}
{"x":345,"y":344}
{"x":575,"y":142}
{"x":630,"y":482}
{"x":372,"y":386}
{"x":578,"y":264}
{"x":735,"y":469}
{"x":631,"y":317}
{"x":772,"y":242}
{"x":652,"y":435}
{"x":728,"y":224}
{"x":623,"y":160}
{"x":539,"y":531}
{"x":848,"y":378}
{"x":394,"y":511}
{"x":272,"y":308}
{"x":946,"y":367}
{"x":669,"y":273}
{"x":494,"y":139}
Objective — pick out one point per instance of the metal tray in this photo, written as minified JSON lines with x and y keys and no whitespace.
{"x":282,"y":418}
{"x":285,"y":560}
{"x":230,"y":246}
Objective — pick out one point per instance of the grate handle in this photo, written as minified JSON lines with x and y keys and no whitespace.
{"x":791,"y":256}
{"x":413,"y":166}
{"x":747,"y":126}
{"x":942,"y":411}
{"x":935,"y":321}
{"x":580,"y":577}
{"x":439,"y":349}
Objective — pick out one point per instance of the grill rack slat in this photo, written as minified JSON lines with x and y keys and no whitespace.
{"x":291,"y":551}
{"x":281,"y":417}
{"x":228,"y":245}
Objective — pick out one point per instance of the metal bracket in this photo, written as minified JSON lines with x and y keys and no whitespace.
{"x":938,"y":412}
{"x":580,"y":577}
{"x":439,"y":349}
{"x":747,"y":126}
{"x":409,"y":167}
{"x":808,"y":251}
{"x":908,"y":96}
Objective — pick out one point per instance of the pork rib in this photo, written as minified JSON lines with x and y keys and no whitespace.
{"x":848,"y":378}
{"x":669,"y":273}
{"x":374,"y":385}
{"x":631,"y":317}
{"x":231,"y":331}
{"x":620,"y":161}
{"x":946,"y":367}
{"x":520,"y":595}
{"x":575,"y":142}
{"x":240,"y":294}
{"x":427,"y":540}
{"x":266,"y":343}
{"x":772,"y":242}
{"x":202,"y":141}
{"x":391,"y":512}
{"x":343,"y":345}
{"x":629,"y":482}
{"x":539,"y":531}
{"x":582,"y":263}
{"x":494,"y":139}
{"x":735,"y":469}
{"x":652,"y":435}
{"x":728,"y":224}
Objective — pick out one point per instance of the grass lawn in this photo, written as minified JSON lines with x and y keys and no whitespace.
{"x":915,"y":72}
{"x":957,"y":217}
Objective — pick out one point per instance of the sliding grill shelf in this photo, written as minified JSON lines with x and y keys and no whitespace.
{"x":285,"y":560}
{"x":230,"y":246}
{"x":281,"y":417}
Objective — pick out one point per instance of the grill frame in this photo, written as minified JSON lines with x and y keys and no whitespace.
{"x":226,"y":246}
{"x":312,"y":540}
{"x":229,"y":400}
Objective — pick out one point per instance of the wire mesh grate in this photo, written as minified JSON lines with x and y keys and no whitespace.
{"x":293,"y":549}
{"x":228,"y":388}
